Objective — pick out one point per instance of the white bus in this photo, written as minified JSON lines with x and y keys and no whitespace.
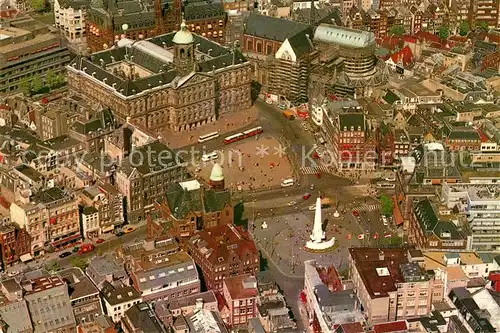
{"x":386,"y":185}
{"x":209,"y":136}
{"x":210,"y":156}
{"x":287,"y":182}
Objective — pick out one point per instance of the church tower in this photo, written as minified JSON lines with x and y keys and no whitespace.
{"x":184,"y":56}
{"x":217,"y":177}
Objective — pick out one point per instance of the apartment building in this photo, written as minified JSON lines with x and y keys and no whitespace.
{"x":392,"y":285}
{"x":428,"y":230}
{"x":108,"y":202}
{"x":106,"y":268}
{"x":51,"y":218}
{"x":481,"y":205}
{"x":187,"y":207}
{"x":48,"y":303}
{"x":145,"y":176}
{"x":159,"y":271}
{"x":69,"y":17}
{"x":353,"y":145}
{"x":327,"y":306}
{"x":240,"y":293}
{"x":232,"y":252}
{"x":118,"y":298}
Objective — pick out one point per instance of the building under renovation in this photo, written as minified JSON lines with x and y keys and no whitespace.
{"x":346,"y":65}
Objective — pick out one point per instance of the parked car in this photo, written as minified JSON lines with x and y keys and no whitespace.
{"x":120,"y":233}
{"x":312,"y":207}
{"x":128,"y":230}
{"x":99,"y":241}
{"x":385,"y":220}
{"x":311,"y":187}
{"x":355,"y":213}
{"x":89,"y":247}
{"x":65,"y":254}
{"x":291,"y":203}
{"x":75,"y":249}
{"x":306,"y":196}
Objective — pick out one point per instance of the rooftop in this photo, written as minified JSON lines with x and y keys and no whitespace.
{"x":435,"y":259}
{"x":344,"y":36}
{"x":241,"y":286}
{"x":118,"y":294}
{"x":380,"y":269}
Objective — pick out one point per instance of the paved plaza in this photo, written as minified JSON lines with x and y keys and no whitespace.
{"x":248,"y":167}
{"x":225,"y":124}
{"x":286,"y":235}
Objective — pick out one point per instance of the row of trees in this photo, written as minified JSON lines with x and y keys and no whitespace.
{"x":444,"y":31}
{"x":40,"y":6}
{"x":40,"y":85}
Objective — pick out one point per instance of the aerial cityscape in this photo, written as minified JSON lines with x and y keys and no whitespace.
{"x":236,"y":166}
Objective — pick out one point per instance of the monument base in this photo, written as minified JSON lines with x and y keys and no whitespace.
{"x":320,"y":246}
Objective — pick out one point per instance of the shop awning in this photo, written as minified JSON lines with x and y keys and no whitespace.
{"x":26,"y":257}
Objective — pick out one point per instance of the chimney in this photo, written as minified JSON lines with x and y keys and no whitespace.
{"x":199,"y":303}
{"x":381,"y":256}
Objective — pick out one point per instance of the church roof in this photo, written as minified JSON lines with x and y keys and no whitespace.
{"x":183,"y":36}
{"x":272,"y":28}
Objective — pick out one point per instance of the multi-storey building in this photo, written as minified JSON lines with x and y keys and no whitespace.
{"x":48,"y":303}
{"x":483,"y":11}
{"x":190,"y":206}
{"x":177,"y":82}
{"x":160,"y":272}
{"x":28,"y":48}
{"x":401,"y":143}
{"x":328,"y":305}
{"x":145,"y":176}
{"x":84,"y":296}
{"x":106,"y":268}
{"x":392,"y":285}
{"x":386,"y":148}
{"x":481,"y":204}
{"x":109,"y":204}
{"x":49,"y":155}
{"x":233,"y":253}
{"x":427,"y":230}
{"x":289,"y":79}
{"x":69,"y":17}
{"x":51,"y":218}
{"x":207,"y":18}
{"x":240,"y":293}
{"x":264,"y":35}
{"x":353,"y":146}
{"x":90,"y":222}
{"x":118,"y":298}
{"x":55,"y":118}
{"x":106,"y":21}
{"x":8,"y":245}
{"x":93,"y":129}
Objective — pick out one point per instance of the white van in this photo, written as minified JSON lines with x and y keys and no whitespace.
{"x":287,"y":182}
{"x":210,"y":156}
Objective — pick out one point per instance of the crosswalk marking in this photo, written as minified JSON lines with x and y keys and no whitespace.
{"x":313,"y":170}
{"x":366,"y":208}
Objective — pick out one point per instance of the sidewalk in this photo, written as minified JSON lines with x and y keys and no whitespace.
{"x":225,"y":124}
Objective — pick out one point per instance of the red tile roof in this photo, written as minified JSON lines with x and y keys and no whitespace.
{"x":398,"y":217}
{"x":484,"y":137}
{"x":394,"y":326}
{"x":224,"y":242}
{"x":236,"y":286}
{"x":352,"y":328}
{"x":410,"y":39}
{"x":389,"y":42}
{"x":404,"y":55}
{"x":428,"y":37}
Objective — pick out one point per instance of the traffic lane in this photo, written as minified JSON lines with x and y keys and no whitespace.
{"x":106,"y":247}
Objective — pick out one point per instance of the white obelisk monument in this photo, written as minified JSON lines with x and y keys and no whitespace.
{"x":317,"y":241}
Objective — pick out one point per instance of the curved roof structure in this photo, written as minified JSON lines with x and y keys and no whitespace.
{"x":217,"y":174}
{"x":183,"y":36}
{"x":344,"y":36}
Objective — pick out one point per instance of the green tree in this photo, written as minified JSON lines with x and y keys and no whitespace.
{"x":444,"y":32}
{"x":464,"y":28}
{"x":39,"y":5}
{"x":482,"y":25}
{"x":387,"y":205}
{"x":36,"y":84}
{"x":25,"y":87}
{"x":50,"y":79}
{"x":79,"y":263}
{"x":397,"y":30}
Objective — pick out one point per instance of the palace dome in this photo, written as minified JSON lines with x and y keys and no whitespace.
{"x":183,"y":36}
